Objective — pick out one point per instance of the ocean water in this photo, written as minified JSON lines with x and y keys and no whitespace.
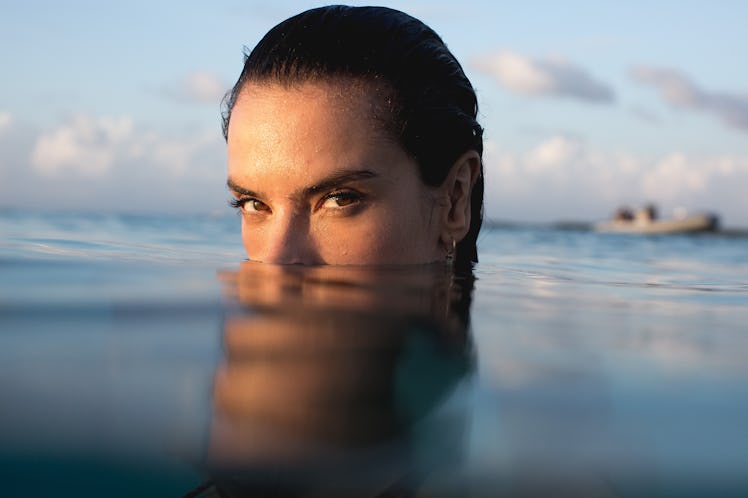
{"x":140,"y":356}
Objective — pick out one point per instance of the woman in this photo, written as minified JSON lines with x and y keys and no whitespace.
{"x":352,"y":139}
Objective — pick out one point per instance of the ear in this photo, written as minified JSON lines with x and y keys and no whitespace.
{"x":458,"y":190}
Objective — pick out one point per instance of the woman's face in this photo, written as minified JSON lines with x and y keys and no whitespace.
{"x":318,"y":181}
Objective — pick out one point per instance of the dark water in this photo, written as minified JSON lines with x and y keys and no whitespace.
{"x":140,"y":357}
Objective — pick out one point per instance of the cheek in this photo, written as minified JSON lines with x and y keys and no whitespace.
{"x":378,"y":238}
{"x":344,"y":241}
{"x":245,"y":240}
{"x":253,"y":240}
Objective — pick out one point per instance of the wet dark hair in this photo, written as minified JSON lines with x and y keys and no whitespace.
{"x":430,"y":105}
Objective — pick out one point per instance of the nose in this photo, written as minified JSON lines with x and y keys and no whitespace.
{"x":290,"y":242}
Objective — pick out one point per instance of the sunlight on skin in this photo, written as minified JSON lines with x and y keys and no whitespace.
{"x":318,"y":182}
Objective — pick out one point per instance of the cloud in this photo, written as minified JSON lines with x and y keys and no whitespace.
{"x":111,"y":164}
{"x":554,"y":152}
{"x":564,"y":178}
{"x":85,"y":145}
{"x":546,"y":77}
{"x":6,"y":119}
{"x":680,"y":92}
{"x":202,"y":87}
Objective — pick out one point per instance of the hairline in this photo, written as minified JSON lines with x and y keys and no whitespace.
{"x":383,"y":103}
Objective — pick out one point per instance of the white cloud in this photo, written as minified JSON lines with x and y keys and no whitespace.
{"x":517,"y":73}
{"x":90,"y":147}
{"x":564,"y":178}
{"x":674,"y":175}
{"x":202,"y":87}
{"x":85,"y":145}
{"x":552,"y":77}
{"x":197,"y":87}
{"x":553,"y":153}
{"x":6,"y":119}
{"x":111,"y":164}
{"x":680,"y":92}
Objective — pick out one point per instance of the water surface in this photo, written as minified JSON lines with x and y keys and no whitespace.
{"x":140,"y":356}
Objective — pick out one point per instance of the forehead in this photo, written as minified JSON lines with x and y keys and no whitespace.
{"x":342,"y":97}
{"x":306,"y":126}
{"x":266,"y":103}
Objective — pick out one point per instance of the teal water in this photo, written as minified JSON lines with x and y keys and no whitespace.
{"x":138,"y":356}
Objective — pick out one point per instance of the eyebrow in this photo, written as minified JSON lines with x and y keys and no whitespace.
{"x":340,"y":179}
{"x":235,"y":187}
{"x":333,"y":181}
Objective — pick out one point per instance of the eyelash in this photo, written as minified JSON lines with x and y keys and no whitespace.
{"x":239,"y":203}
{"x":352,"y":198}
{"x":344,"y":195}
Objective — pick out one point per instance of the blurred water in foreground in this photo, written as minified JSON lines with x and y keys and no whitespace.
{"x":140,"y":357}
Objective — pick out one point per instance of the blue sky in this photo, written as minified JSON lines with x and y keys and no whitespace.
{"x":586,"y":105}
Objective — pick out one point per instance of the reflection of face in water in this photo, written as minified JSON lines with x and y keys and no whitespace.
{"x":339,"y":378}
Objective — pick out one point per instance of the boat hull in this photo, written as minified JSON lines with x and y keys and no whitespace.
{"x":691,"y":224}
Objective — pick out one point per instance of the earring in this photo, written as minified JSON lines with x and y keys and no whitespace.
{"x":451,"y":252}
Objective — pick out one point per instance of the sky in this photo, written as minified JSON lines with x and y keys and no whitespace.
{"x":115,"y":107}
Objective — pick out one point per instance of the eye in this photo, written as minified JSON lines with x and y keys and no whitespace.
{"x":341,"y":199}
{"x":250,"y":205}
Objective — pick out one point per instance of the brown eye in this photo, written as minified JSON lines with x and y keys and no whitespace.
{"x":253,"y":205}
{"x":342,"y":199}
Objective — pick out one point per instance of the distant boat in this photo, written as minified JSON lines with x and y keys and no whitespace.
{"x":645,"y":221}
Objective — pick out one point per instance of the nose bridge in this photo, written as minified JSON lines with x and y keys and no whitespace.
{"x":290,"y":240}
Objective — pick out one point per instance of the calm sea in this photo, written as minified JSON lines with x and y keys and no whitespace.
{"x":140,"y":357}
